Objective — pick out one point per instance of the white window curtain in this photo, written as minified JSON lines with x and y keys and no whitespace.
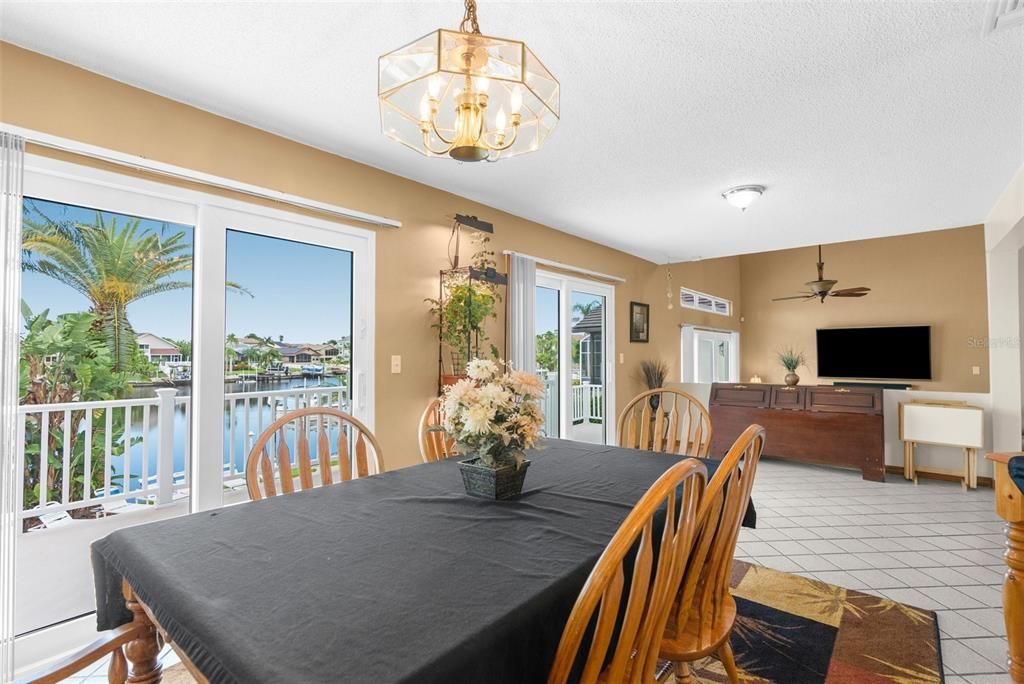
{"x":522,"y":298}
{"x":12,"y":164}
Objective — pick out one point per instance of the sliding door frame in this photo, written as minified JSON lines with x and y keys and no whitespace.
{"x":210,"y":216}
{"x":565,"y":285}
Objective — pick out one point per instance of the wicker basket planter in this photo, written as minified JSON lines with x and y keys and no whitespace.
{"x":492,"y":483}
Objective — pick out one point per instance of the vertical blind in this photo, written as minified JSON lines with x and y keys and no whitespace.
{"x":12,"y":163}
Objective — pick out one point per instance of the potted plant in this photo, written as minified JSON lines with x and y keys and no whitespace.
{"x":654,"y":374}
{"x":494,"y":415}
{"x":791,"y":360}
{"x":462,"y":310}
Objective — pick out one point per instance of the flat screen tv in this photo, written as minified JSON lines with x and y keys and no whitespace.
{"x":883,"y":353}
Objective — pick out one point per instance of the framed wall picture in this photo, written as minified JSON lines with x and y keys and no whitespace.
{"x":639,"y":322}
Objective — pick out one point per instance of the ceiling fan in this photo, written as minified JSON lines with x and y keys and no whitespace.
{"x":822,"y":288}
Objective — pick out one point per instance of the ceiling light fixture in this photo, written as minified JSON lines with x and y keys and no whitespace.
{"x":466,"y":95}
{"x":743,"y":196}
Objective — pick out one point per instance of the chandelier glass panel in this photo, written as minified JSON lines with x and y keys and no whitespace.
{"x":466,"y":95}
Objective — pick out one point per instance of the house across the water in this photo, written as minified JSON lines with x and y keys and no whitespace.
{"x":158,"y":349}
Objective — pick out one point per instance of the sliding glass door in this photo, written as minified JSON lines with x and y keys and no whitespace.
{"x":575,"y":348}
{"x":107,"y":309}
{"x":288,"y":344}
{"x":164,"y":329}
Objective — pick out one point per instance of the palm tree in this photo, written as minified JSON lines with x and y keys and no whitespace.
{"x":584,"y":309}
{"x":111,"y":264}
{"x":230,"y":353}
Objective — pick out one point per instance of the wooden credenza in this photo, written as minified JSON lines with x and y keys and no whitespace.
{"x":839,"y":426}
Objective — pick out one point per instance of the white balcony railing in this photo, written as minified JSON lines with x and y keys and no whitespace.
{"x":143,"y":445}
{"x":586,"y":404}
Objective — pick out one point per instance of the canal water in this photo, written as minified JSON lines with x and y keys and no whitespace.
{"x":261,"y":413}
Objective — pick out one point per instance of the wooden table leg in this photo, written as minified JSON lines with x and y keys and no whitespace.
{"x":1010,"y":507}
{"x":1013,"y":598}
{"x":144,"y":651}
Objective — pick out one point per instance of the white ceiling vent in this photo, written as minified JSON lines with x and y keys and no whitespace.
{"x":1003,"y":14}
{"x":691,"y":299}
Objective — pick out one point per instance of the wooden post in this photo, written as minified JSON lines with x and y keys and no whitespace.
{"x":142,"y":652}
{"x":1010,"y":507}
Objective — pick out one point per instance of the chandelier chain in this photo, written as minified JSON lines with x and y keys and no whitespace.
{"x":469,"y":23}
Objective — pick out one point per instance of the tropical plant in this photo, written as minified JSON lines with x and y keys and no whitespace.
{"x":185,"y":347}
{"x":230,"y":355}
{"x":584,"y":309}
{"x":112,"y":263}
{"x":653,"y":373}
{"x":465,"y":306}
{"x":791,"y":359}
{"x":64,"y":361}
{"x":547,"y":350}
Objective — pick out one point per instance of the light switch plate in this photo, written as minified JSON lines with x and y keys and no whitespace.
{"x":976,"y":370}
{"x":622,"y":357}
{"x":396,"y":364}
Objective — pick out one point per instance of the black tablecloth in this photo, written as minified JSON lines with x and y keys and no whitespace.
{"x":1016,"y":467}
{"x":399,"y":577}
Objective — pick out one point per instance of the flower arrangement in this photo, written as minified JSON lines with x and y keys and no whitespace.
{"x":494,"y":413}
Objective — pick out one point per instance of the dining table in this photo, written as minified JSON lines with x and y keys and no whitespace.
{"x":398,"y":577}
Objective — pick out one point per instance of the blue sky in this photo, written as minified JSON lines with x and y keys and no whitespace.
{"x":547,"y":307}
{"x":300,"y":291}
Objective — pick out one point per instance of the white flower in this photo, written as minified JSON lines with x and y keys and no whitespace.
{"x":526,"y":383}
{"x":478,"y":418}
{"x":460,"y":393}
{"x":495,"y":394}
{"x":494,"y":410}
{"x":482,"y":370}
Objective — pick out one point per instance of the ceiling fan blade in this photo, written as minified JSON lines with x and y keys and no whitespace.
{"x":847,"y":293}
{"x":803,"y":296}
{"x":846,"y":290}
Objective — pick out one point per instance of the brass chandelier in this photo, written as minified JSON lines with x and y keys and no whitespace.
{"x":467,"y":96}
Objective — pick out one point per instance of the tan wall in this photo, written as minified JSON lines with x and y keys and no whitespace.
{"x":719,"y":277}
{"x":54,"y":97}
{"x":935,"y":278}
{"x":946,"y":289}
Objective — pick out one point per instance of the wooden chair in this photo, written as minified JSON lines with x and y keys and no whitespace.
{"x":704,"y":611}
{"x":654,"y":579}
{"x":435,"y":444}
{"x":260,"y":469}
{"x":680,"y":425}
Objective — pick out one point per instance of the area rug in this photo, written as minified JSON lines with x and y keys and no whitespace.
{"x":795,"y":630}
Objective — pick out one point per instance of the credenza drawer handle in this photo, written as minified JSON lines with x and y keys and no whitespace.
{"x":739,"y":387}
{"x":842,"y":390}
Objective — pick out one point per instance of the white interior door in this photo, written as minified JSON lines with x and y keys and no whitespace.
{"x":715,"y":356}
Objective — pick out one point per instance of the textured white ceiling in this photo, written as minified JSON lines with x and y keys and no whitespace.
{"x":862,"y":118}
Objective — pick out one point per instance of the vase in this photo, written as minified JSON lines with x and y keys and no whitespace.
{"x":792,"y":379}
{"x":505,"y":482}
{"x":655,"y":401}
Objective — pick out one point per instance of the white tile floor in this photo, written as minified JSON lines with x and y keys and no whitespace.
{"x":930,"y":545}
